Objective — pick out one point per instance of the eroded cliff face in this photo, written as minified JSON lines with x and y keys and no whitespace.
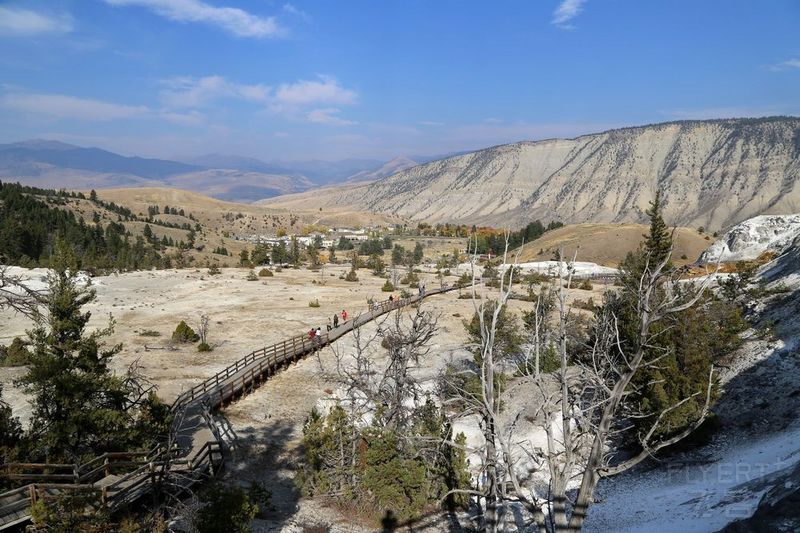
{"x":713,"y":173}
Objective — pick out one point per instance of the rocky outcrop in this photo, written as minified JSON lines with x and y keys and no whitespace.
{"x":786,"y":267}
{"x":712,"y":173}
{"x":750,"y":239}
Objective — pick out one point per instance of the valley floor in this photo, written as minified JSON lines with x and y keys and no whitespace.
{"x":246,"y":315}
{"x":713,"y":486}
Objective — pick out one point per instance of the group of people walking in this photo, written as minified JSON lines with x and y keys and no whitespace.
{"x":315,"y":334}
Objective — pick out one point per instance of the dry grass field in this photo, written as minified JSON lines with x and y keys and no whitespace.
{"x":607,"y":244}
{"x":223,"y":221}
{"x":261,"y":217}
{"x":434,"y":247}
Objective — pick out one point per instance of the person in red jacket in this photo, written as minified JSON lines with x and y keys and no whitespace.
{"x":344,"y":315}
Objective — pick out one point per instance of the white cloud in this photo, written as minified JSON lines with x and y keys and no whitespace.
{"x":316,"y":101}
{"x":253,"y":93}
{"x":26,"y":22}
{"x":789,"y":64}
{"x":566,"y":11}
{"x":192,"y":118}
{"x":327,"y":116}
{"x":60,"y":106}
{"x":63,"y":106}
{"x":325,"y":90}
{"x":197,"y":92}
{"x":295,"y":100}
{"x":292,"y":10}
{"x":231,"y":19}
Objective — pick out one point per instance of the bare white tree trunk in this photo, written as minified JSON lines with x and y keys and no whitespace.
{"x":655,"y":301}
{"x":202,"y":327}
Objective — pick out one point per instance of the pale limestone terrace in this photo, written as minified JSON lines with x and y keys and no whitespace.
{"x":751,"y":238}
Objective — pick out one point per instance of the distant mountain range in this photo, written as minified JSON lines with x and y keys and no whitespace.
{"x":56,"y":164}
{"x":317,"y":171}
{"x":29,"y":157}
{"x":713,"y":173}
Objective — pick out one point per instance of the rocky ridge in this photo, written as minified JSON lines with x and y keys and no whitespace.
{"x":712,"y":173}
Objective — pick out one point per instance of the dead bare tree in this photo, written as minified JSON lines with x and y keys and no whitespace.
{"x":583,"y":409}
{"x":378,"y":388}
{"x":137,"y":386}
{"x":607,"y":380}
{"x":17,"y":295}
{"x":485,"y":402}
{"x":538,"y":331}
{"x":390,"y":386}
{"x":202,"y":327}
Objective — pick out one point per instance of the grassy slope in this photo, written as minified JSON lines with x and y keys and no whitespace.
{"x":260,"y":217}
{"x":607,"y":244}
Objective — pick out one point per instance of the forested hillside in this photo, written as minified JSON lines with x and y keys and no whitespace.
{"x":32,"y":220}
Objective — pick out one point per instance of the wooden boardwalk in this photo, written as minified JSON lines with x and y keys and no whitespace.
{"x":117,"y":479}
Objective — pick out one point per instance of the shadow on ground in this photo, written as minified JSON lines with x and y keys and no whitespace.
{"x":267,"y":456}
{"x":270,"y":456}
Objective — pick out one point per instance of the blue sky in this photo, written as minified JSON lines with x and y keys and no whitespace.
{"x":339,"y":79}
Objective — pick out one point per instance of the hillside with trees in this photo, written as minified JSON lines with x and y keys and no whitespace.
{"x":32,"y":220}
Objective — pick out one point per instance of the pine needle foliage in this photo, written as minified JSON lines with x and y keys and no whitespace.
{"x":80,"y":407}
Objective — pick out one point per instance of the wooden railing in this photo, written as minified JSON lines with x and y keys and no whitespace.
{"x":140,"y":471}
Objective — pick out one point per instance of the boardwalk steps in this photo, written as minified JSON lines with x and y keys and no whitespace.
{"x":119,"y":478}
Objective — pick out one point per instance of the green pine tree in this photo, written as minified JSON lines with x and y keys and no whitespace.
{"x":10,"y":431}
{"x":658,"y":243}
{"x":684,"y":343}
{"x":80,"y":408}
{"x":294,"y":253}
